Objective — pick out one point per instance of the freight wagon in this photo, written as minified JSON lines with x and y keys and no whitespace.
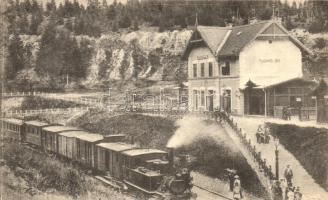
{"x":33,"y":131}
{"x":12,"y":128}
{"x":50,"y":136}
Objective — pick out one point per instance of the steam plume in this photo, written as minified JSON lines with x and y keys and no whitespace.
{"x":190,"y":129}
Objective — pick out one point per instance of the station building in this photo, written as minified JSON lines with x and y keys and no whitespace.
{"x":253,"y":69}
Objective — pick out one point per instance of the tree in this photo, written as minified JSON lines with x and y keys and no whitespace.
{"x":51,"y":6}
{"x":124,"y":21}
{"x":135,"y":25}
{"x":49,"y":58}
{"x":36,"y":20}
{"x":16,"y":60}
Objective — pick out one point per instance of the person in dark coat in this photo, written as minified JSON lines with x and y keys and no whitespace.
{"x":231,"y":177}
{"x":288,"y":175}
{"x":277,"y":191}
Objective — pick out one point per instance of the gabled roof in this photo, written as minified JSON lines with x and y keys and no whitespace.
{"x":213,"y":36}
{"x":210,"y":36}
{"x":230,"y":41}
{"x":240,"y":36}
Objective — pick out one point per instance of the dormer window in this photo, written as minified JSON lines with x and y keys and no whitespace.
{"x":226,"y":68}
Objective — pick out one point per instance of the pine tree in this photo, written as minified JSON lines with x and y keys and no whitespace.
{"x":15,"y":56}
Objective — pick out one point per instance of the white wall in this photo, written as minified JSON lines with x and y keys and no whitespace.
{"x":266,"y":63}
{"x":201,"y":55}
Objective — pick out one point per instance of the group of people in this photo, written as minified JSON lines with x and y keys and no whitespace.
{"x":235,"y":185}
{"x":263,"y":136}
{"x":219,"y":114}
{"x":286,"y":113}
{"x":283,"y":189}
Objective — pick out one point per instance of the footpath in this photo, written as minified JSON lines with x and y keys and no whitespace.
{"x":247,"y":128}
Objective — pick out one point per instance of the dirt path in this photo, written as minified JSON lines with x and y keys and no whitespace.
{"x":310,"y":189}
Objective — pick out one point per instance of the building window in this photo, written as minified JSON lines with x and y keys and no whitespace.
{"x":195,"y":70}
{"x":226,"y":69}
{"x":202,"y":98}
{"x":202,"y":69}
{"x":195,"y":99}
{"x":210,"y":69}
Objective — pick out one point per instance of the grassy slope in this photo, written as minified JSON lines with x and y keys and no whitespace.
{"x":32,"y":103}
{"x":155,"y":132}
{"x":309,"y":145}
{"x":30,"y":174}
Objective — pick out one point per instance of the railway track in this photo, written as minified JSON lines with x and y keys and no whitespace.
{"x":217,"y":194}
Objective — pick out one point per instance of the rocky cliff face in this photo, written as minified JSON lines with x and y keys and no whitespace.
{"x":138,"y":55}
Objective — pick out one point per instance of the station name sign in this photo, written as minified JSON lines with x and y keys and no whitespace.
{"x":270,"y":60}
{"x":202,"y":57}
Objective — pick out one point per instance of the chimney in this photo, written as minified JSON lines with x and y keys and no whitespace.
{"x":171,"y":157}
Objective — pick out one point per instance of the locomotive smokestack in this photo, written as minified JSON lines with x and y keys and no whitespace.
{"x":171,"y":157}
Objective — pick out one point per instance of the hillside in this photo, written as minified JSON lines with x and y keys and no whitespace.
{"x":120,"y":57}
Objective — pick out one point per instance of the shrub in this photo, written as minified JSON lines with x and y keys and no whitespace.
{"x":43,"y":172}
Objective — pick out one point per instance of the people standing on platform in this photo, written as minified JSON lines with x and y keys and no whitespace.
{"x":267,"y":134}
{"x":259,"y":134}
{"x":237,"y":193}
{"x":216,"y":114}
{"x":277,"y":191}
{"x":231,"y":176}
{"x":297,"y":194}
{"x":290,"y":193}
{"x":288,"y":175}
{"x":288,"y":113}
{"x":284,"y":187}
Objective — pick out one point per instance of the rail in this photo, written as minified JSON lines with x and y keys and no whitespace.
{"x":212,"y":192}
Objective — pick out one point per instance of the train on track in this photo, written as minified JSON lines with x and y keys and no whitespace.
{"x":151,"y":171}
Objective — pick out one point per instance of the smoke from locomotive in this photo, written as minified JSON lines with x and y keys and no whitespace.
{"x":191,"y":129}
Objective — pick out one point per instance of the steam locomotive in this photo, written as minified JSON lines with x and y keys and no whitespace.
{"x":151,"y":171}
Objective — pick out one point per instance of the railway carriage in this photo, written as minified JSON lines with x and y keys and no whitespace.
{"x":50,"y":136}
{"x":67,"y":144}
{"x":13,"y":128}
{"x":86,"y":148}
{"x":109,"y":157}
{"x":33,"y":132}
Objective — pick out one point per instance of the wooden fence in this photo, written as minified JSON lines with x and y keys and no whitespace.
{"x":41,"y":111}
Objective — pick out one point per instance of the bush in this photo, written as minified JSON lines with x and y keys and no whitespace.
{"x":309,"y":145}
{"x":43,"y":172}
{"x":32,"y":103}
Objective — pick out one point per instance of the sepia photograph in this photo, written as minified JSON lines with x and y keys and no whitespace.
{"x":164,"y":100}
